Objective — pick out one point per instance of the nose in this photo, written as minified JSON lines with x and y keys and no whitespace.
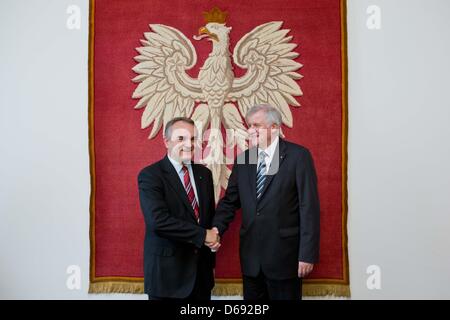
{"x":188,"y":143}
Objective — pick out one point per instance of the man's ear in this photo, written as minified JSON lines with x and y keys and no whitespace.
{"x":278,"y":128}
{"x":166,"y":142}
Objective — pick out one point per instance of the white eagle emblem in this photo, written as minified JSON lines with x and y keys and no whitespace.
{"x":166,"y":91}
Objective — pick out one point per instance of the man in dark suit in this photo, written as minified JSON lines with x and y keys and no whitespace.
{"x":274,"y":182}
{"x":177,"y":201}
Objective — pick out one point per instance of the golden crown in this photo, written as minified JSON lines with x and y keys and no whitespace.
{"x":215,"y":15}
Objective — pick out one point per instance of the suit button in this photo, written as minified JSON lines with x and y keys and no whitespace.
{"x":195,"y":251}
{"x":258,"y":213}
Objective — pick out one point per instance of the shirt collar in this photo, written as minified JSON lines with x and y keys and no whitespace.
{"x":270,"y":150}
{"x":178,"y":166}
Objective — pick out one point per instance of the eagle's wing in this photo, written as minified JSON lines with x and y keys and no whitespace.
{"x":165,"y":90}
{"x":270,"y":78}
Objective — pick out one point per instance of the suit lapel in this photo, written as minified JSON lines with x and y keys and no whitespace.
{"x":252,"y":161}
{"x":174,"y":181}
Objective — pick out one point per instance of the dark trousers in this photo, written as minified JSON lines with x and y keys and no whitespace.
{"x":262,"y":288}
{"x":200,"y":292}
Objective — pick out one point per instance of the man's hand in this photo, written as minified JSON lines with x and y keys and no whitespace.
{"x":212,"y":239}
{"x":304,"y":269}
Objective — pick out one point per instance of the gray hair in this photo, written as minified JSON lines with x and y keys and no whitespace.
{"x":168,"y":129}
{"x":273,"y":116}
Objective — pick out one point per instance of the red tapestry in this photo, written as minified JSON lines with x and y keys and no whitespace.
{"x":123,"y":141}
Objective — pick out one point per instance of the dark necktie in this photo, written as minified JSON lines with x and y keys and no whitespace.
{"x":260,"y":174}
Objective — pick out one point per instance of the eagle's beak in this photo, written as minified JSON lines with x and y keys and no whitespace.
{"x":204,"y":30}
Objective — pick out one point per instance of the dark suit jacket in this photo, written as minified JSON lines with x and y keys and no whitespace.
{"x":282,"y":227}
{"x":173,"y":245}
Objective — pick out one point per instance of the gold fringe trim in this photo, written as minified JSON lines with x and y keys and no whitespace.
{"x":116,"y":287}
{"x":227,"y":289}
{"x":322,"y":290}
{"x":308,"y":290}
{"x":221,"y":289}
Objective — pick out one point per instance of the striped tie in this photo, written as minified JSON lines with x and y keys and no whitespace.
{"x":260,"y":174}
{"x":190,"y":191}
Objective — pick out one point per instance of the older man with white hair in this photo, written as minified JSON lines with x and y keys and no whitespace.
{"x":275,"y":185}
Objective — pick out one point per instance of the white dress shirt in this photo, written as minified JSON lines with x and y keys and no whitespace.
{"x":179,"y":169}
{"x":270,"y":151}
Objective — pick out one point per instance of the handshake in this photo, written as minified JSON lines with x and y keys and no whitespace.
{"x":212,"y":239}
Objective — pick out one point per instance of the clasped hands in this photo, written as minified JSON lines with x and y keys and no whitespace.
{"x":212,"y":239}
